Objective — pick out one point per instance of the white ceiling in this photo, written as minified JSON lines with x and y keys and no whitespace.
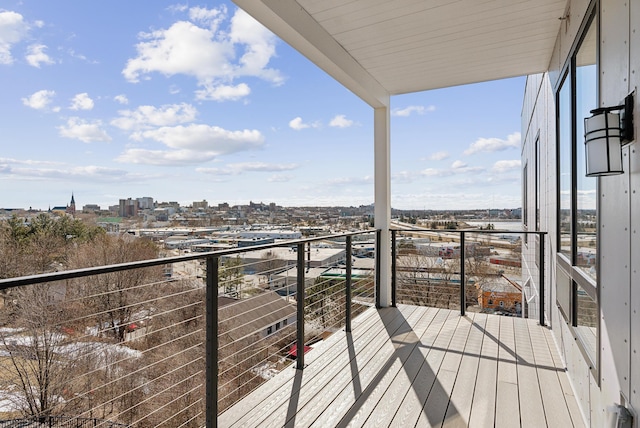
{"x":378,"y":48}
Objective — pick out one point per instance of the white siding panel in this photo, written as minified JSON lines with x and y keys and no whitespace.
{"x":634,"y":174}
{"x":614,"y":285}
{"x":615,"y":233}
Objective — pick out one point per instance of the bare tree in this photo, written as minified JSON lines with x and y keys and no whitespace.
{"x":117,"y":298}
{"x":39,"y":367}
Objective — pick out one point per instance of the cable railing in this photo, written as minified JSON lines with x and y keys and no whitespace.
{"x":493,"y":271}
{"x":172,"y":341}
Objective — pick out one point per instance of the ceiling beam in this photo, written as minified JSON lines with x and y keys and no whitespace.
{"x":291,"y":22}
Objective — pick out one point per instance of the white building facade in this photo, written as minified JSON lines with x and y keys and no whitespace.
{"x":593,"y":256}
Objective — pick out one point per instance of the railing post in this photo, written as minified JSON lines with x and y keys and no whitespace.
{"x":393,"y":268}
{"x":378,"y":266}
{"x":300,"y":309}
{"x":462,"y":275}
{"x":347,"y":322}
{"x":541,"y":279}
{"x":212,"y":343}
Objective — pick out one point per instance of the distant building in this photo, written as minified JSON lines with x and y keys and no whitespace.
{"x":500,"y":294}
{"x":145,"y":203}
{"x":71,"y":209}
{"x":90,"y":208}
{"x":203,"y":204}
{"x":257,"y":317}
{"x":66,"y":209}
{"x":128,"y":207}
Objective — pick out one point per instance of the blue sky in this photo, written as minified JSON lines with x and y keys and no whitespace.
{"x":184,"y":102}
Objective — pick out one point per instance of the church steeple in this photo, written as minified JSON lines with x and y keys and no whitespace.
{"x":71,"y":209}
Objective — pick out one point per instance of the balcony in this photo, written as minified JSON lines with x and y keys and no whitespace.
{"x":418,"y":366}
{"x":214,"y":338}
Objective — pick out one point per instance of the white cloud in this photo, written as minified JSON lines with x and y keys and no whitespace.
{"x":279,"y":178}
{"x":26,"y":162}
{"x":81,"y":102}
{"x":367,"y":179}
{"x":149,"y":116}
{"x":433,"y":172}
{"x":13,"y":29}
{"x":210,"y":17}
{"x":503,"y":166}
{"x":407,"y":111}
{"x":223,"y":92}
{"x":85,"y":131}
{"x":191,"y":144}
{"x":340,"y":121}
{"x":259,"y":44}
{"x":36,"y":56}
{"x":437,"y":156}
{"x":208,"y":54}
{"x":262,"y":166}
{"x":216,"y":171}
{"x":165,"y":157}
{"x":39,"y":100}
{"x":404,"y":176}
{"x":458,"y":164}
{"x":494,"y":144}
{"x":90,"y":173}
{"x":122,"y":99}
{"x":298,"y":124}
{"x":241,"y":167}
{"x":183,"y":48}
{"x":457,"y":167}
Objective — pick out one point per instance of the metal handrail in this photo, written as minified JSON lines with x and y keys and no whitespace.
{"x":79,"y":273}
{"x":212,"y":284}
{"x":462,"y":233}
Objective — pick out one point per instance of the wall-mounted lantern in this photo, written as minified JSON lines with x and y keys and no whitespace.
{"x":604,"y":135}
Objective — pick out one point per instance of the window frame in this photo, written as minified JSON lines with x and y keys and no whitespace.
{"x":568,"y":262}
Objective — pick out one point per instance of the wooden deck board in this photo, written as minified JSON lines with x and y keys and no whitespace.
{"x":275,"y":392}
{"x":438,"y":402}
{"x":415,"y":366}
{"x":554,"y":401}
{"x":385,"y":409}
{"x":371,"y":400}
{"x":341,"y":396}
{"x":432,"y":352}
{"x":507,"y":401}
{"x":531,"y":408}
{"x":459,"y":409}
{"x":311,"y":387}
{"x":483,"y":408}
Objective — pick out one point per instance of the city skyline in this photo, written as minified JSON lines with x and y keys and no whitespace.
{"x":184,"y":103}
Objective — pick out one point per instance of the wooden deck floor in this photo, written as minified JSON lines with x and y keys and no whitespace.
{"x":414,"y":366}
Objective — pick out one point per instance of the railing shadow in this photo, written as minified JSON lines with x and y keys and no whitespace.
{"x":405,"y":341}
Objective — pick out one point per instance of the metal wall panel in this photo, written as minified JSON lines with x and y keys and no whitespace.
{"x":634,"y":176}
{"x":615,"y":223}
{"x":614,"y":285}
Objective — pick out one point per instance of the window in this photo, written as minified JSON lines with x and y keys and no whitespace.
{"x":577,"y":278}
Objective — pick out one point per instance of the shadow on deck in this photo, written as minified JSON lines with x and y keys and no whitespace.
{"x":418,"y":366}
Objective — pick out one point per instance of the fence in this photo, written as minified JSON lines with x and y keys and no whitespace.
{"x":485,"y":270}
{"x":173,"y":341}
